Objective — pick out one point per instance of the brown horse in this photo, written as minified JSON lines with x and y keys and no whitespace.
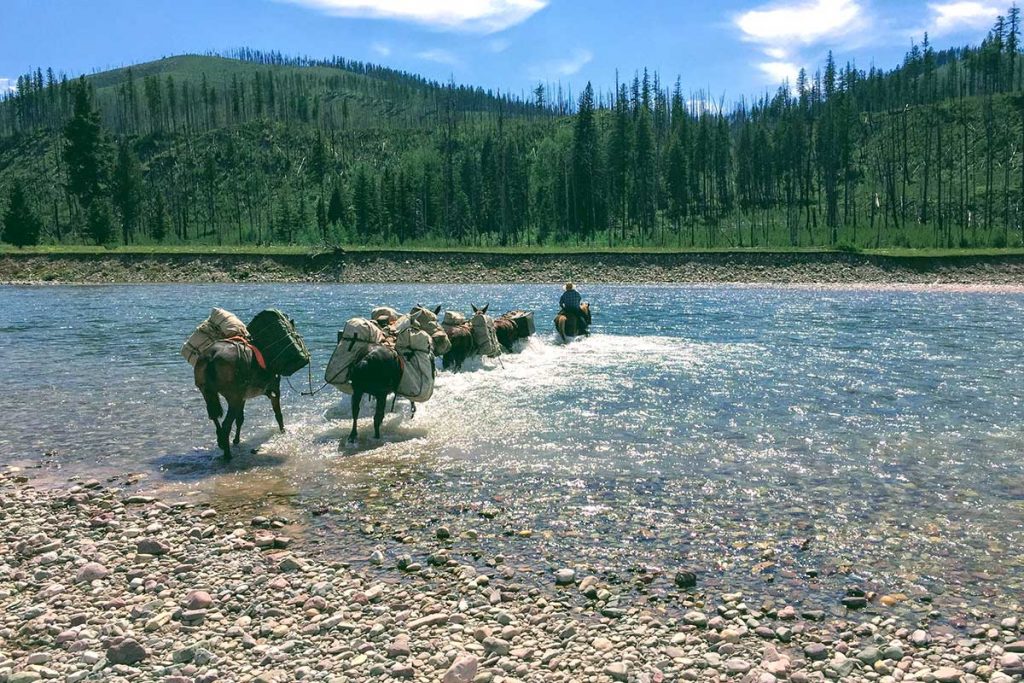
{"x":508,"y":332}
{"x":461,"y":339}
{"x":571,"y":325}
{"x":378,"y":374}
{"x":230,"y":369}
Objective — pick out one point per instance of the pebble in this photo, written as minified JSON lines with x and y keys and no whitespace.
{"x":128,"y":651}
{"x":565,"y":577}
{"x":91,"y":571}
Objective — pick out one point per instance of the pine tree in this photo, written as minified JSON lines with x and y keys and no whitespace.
{"x":100,"y":222}
{"x":127,"y":190}
{"x":85,"y":151}
{"x":21,"y":226}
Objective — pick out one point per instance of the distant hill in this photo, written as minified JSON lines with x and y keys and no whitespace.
{"x":258,"y":148}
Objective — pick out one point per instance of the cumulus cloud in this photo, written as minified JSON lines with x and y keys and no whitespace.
{"x":780,"y":71}
{"x":440,"y":56}
{"x":808,"y":22}
{"x":782,"y":30}
{"x":381,"y":49}
{"x":479,"y":16}
{"x":560,"y":68}
{"x":949,"y":17}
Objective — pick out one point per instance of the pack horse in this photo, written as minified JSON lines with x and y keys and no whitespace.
{"x":240,"y":362}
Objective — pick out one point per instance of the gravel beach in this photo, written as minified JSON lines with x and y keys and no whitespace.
{"x":99,"y":584}
{"x":472,"y":267}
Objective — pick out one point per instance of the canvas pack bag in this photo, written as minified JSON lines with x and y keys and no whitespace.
{"x":353,"y":343}
{"x":426,"y":320}
{"x":453,"y":319}
{"x":220,"y":325}
{"x":283,"y":348}
{"x":384,"y":312}
{"x":417,"y":351}
{"x":523,"y":320}
{"x":484,"y":336}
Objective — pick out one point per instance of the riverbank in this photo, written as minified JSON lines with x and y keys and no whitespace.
{"x":482,"y":268}
{"x":104,"y":584}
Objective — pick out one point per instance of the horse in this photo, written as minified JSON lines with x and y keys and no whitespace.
{"x":571,"y":325}
{"x":379,"y":372}
{"x":231,"y":369}
{"x":508,"y":332}
{"x":462,"y":346}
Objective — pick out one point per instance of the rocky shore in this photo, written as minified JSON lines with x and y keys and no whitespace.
{"x":97,"y":583}
{"x":472,"y":267}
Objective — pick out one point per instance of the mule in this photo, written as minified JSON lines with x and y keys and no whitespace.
{"x":462,"y":346}
{"x":230,"y":369}
{"x":572,"y":325}
{"x":377,"y":374}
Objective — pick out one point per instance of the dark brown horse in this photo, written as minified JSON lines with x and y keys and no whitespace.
{"x":461,"y":339}
{"x":378,"y":374}
{"x":230,"y":369}
{"x":508,"y":332}
{"x":572,"y":325}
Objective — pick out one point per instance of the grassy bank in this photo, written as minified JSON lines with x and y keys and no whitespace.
{"x":305,"y":250}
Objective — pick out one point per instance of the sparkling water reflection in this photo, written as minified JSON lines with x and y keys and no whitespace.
{"x":757,"y":434}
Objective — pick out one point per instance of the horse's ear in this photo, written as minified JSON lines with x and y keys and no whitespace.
{"x":474,"y":308}
{"x":484,"y":309}
{"x":437,"y":311}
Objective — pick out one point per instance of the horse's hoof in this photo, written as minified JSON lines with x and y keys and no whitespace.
{"x":254,"y":451}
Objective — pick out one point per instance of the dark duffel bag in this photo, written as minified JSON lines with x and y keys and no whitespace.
{"x":280,"y":343}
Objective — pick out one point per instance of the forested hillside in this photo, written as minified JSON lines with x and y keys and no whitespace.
{"x":256,"y":148}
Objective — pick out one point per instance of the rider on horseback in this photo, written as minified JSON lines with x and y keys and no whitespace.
{"x":570,"y":302}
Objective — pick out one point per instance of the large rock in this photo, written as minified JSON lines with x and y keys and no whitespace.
{"x":128,"y":651}
{"x":90,"y":572}
{"x":948,"y":674}
{"x":462,"y":670}
{"x":198,"y":600}
{"x":152,"y":546}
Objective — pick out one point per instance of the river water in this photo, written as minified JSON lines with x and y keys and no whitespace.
{"x":786,"y":441}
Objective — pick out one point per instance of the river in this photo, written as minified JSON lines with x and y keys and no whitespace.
{"x":789,"y":442}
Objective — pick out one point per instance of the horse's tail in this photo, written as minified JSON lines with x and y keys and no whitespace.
{"x":209,"y":389}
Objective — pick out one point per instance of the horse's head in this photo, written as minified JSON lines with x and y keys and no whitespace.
{"x":585,"y":307}
{"x":480,"y":311}
{"x":426,"y":320}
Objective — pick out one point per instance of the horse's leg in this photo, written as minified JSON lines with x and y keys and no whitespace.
{"x":239,"y":419}
{"x":378,"y":414}
{"x":224,"y":435}
{"x":357,"y":398}
{"x":413,"y":404}
{"x":275,"y":401}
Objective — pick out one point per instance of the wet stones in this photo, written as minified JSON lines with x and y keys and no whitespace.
{"x":815,"y":652}
{"x":694,"y":618}
{"x":685,"y":579}
{"x":565,"y":577}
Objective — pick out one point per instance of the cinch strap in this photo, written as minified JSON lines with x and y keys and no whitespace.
{"x":256,"y":352}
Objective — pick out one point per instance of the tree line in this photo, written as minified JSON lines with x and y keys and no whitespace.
{"x":263,"y":149}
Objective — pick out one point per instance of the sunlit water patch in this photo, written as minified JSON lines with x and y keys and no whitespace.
{"x":787,"y":441}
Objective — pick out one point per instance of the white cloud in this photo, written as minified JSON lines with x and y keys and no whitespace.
{"x":949,"y":17}
{"x":778,"y":26}
{"x":8,"y":85}
{"x":780,"y":71}
{"x":560,"y":68}
{"x":440,"y":56}
{"x":783,"y":30}
{"x":381,"y":49}
{"x":479,"y":16}
{"x":498,"y":45}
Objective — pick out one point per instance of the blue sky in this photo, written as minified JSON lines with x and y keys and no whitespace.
{"x":729,"y":48}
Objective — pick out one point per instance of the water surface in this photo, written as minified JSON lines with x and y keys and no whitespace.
{"x":780,"y":440}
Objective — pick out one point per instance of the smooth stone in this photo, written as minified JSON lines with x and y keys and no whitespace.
{"x":816,"y":652}
{"x":91,"y":571}
{"x":462,"y":670}
{"x":619,"y":671}
{"x":152,"y":546}
{"x":948,"y":675}
{"x":565,"y":577}
{"x":128,"y":651}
